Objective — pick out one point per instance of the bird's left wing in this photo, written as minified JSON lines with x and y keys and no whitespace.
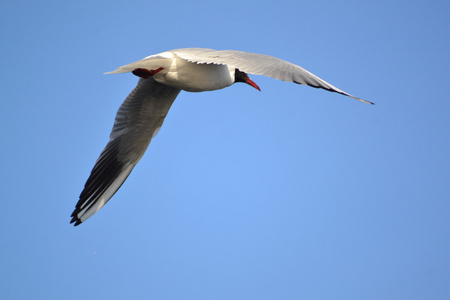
{"x":259,"y":64}
{"x":138,"y":120}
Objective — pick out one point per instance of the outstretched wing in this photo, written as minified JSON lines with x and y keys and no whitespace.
{"x":152,"y":62}
{"x":138,"y":120}
{"x":259,"y":64}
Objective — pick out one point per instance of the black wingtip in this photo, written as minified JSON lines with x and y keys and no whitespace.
{"x":76,"y":220}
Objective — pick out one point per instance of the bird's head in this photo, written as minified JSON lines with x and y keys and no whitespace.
{"x":243,"y":77}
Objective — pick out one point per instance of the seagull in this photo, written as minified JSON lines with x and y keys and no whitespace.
{"x":162,"y":77}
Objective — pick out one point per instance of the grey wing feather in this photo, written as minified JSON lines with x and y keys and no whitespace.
{"x":137,"y":121}
{"x":260,"y":64}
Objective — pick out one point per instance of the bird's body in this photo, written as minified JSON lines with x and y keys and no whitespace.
{"x":142,"y":113}
{"x":192,"y":77}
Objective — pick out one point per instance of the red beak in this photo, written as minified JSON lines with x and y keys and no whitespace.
{"x":252,"y":83}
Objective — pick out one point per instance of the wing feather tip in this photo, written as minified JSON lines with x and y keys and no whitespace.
{"x":119,"y":70}
{"x":362,"y":100}
{"x":75,"y":220}
{"x":113,"y":72}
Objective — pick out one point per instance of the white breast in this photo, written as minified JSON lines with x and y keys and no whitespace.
{"x":194,"y":77}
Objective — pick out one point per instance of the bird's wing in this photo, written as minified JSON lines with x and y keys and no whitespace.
{"x":259,"y":64}
{"x":138,"y":120}
{"x":151,"y":62}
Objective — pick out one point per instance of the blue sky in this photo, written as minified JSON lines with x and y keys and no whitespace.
{"x":288,"y":193}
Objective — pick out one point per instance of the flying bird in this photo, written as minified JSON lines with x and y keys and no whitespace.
{"x":162,"y":77}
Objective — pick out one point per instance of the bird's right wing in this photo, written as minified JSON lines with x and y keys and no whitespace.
{"x":138,"y":120}
{"x":259,"y":64}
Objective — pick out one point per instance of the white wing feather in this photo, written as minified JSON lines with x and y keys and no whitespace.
{"x":151,"y":62}
{"x":259,"y":64}
{"x":138,"y":120}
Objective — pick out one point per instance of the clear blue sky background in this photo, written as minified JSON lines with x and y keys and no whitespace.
{"x":288,"y":193}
